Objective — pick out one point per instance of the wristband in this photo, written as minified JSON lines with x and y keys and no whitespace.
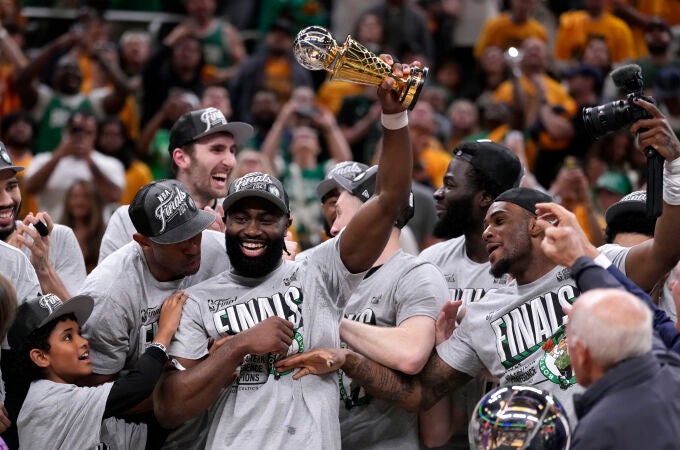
{"x":394,"y":121}
{"x":671,"y":182}
{"x":160,"y":347}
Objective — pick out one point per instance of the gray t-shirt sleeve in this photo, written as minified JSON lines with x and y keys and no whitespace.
{"x":67,"y":258}
{"x":457,"y":352}
{"x":190,"y":340}
{"x":423,"y":292}
{"x":59,"y":415}
{"x":108,"y":333}
{"x":616,"y":254}
{"x":119,"y":231}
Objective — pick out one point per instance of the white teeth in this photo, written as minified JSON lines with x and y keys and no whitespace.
{"x":220,"y":176}
{"x":6,"y":214}
{"x":252,"y":245}
{"x":84,"y":356}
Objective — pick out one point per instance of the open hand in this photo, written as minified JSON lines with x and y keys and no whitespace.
{"x":319,"y":361}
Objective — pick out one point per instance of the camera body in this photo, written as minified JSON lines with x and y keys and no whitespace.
{"x":612,"y":116}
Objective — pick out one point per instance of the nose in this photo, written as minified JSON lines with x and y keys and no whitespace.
{"x":335,"y":228}
{"x":190,"y":245}
{"x":82,"y":342}
{"x":439,"y":193}
{"x":486,"y":234}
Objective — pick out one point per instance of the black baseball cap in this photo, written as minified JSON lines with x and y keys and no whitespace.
{"x":345,"y":169}
{"x":164,"y":212}
{"x":194,"y":125}
{"x":257,"y":184}
{"x":524,"y":197}
{"x":494,"y":160}
{"x":6,"y":162}
{"x":635,"y":202}
{"x":39,"y":311}
{"x":362,"y":185}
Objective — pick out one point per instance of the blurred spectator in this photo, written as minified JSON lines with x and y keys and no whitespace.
{"x":175,"y":65}
{"x":511,"y":28}
{"x":83,"y":214}
{"x":345,"y":16}
{"x":369,"y":32}
{"x":272,"y":67}
{"x":449,"y":74}
{"x":640,"y":15}
{"x":667,"y":93}
{"x":572,"y":190}
{"x":492,"y":71}
{"x":405,"y":28}
{"x":17,"y":130}
{"x":112,"y":140}
{"x":438,"y":97}
{"x":584,"y":84}
{"x":659,"y":38}
{"x":617,"y":150}
{"x":464,"y":119}
{"x":540,"y":105}
{"x":263,"y":110}
{"x":610,"y":188}
{"x":429,"y":157}
{"x":306,"y":169}
{"x":247,"y":161}
{"x":222,"y":45}
{"x":597,"y":54}
{"x":12,"y":59}
{"x":359,"y":120}
{"x":576,"y":26}
{"x":217,"y":96}
{"x":300,"y":13}
{"x":51,"y":107}
{"x":134,"y":50}
{"x":51,"y":174}
{"x":153,"y":142}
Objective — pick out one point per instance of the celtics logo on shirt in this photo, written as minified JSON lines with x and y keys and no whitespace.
{"x":555,"y":364}
{"x":523,"y":331}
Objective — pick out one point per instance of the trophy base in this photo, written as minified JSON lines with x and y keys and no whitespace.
{"x":413,"y":86}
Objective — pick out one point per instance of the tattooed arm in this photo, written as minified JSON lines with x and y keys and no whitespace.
{"x":411,"y":392}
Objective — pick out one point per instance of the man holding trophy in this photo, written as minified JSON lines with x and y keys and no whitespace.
{"x":272,"y":308}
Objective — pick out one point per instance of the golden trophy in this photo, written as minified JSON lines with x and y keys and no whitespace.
{"x":315,"y":49}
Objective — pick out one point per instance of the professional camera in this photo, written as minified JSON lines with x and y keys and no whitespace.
{"x":602,"y":119}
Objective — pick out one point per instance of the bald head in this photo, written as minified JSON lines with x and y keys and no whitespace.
{"x":613,"y":325}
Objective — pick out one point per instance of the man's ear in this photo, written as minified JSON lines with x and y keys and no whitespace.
{"x":535,"y":228}
{"x":142,"y":240}
{"x":40,"y":358}
{"x":181,"y":158}
{"x":485,"y":200}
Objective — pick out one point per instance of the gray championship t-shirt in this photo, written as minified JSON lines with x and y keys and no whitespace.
{"x":66,"y":257}
{"x":18,"y":270}
{"x":517,"y":333}
{"x":61,"y":416}
{"x":261,"y":409}
{"x":119,"y":231}
{"x":128,"y":300}
{"x":405,"y":286}
{"x":467,"y":280}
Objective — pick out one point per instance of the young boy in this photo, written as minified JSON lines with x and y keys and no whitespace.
{"x":57,"y":413}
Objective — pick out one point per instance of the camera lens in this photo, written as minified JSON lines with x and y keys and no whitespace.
{"x":602,"y":119}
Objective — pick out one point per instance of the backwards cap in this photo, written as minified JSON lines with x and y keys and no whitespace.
{"x":494,"y":160}
{"x":362,"y":185}
{"x":524,"y":197}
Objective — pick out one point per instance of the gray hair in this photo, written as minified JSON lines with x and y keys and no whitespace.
{"x":613,"y":324}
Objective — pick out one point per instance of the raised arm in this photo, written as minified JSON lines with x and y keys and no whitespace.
{"x":647,"y":262}
{"x":367,"y":233}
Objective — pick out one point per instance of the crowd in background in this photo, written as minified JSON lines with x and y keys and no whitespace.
{"x":135,"y":84}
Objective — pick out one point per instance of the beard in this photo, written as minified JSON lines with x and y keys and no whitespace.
{"x":7,"y":232}
{"x":500,"y":268}
{"x":456,"y":221}
{"x":254,"y":267}
{"x":15,"y":142}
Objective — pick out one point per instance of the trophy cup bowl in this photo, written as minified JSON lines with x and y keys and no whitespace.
{"x":315,"y":49}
